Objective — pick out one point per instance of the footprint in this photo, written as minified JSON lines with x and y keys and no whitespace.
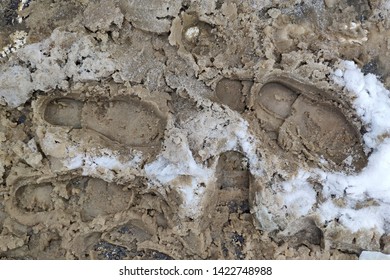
{"x":125,"y":120}
{"x":305,"y":120}
{"x":62,"y":200}
{"x":231,"y":222}
{"x":124,"y":224}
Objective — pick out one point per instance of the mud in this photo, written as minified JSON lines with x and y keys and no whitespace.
{"x":166,"y":129}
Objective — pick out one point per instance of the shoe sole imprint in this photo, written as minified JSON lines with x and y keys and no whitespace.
{"x":229,"y":209}
{"x":125,"y":120}
{"x":306,"y":120}
{"x":232,"y":183}
{"x":51,"y":201}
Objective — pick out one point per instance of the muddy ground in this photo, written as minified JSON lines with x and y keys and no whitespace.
{"x":161,"y":129}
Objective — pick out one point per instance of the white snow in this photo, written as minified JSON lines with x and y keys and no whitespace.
{"x":248,"y":145}
{"x":368,"y":255}
{"x":102,"y":163}
{"x":74,"y":162}
{"x":193,"y":195}
{"x":108,"y":160}
{"x":165,"y":168}
{"x":169,"y":167}
{"x":372,"y":102}
{"x":298,"y":195}
{"x":192,"y":33}
{"x":15,"y":85}
{"x":167,"y":172}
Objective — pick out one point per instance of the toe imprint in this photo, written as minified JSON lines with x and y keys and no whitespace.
{"x":230,"y":202}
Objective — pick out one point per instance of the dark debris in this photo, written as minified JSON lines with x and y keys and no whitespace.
{"x":110,"y":251}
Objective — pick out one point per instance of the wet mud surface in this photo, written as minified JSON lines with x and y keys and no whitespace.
{"x":164,"y":129}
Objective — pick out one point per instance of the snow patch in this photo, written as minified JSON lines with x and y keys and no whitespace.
{"x":368,"y":255}
{"x":165,"y":169}
{"x":298,"y":195}
{"x":193,"y":195}
{"x":104,"y":164}
{"x":372,"y":102}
